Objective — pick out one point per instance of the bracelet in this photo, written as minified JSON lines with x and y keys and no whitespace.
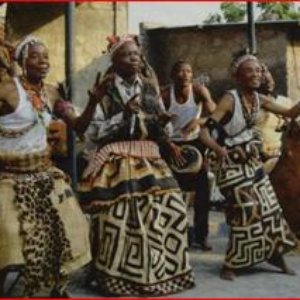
{"x":216,"y":130}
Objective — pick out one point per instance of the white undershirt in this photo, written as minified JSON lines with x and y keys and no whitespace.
{"x":35,"y":139}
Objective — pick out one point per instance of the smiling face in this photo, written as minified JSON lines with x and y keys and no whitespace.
{"x":182,"y":74}
{"x":37,"y":62}
{"x":249,"y":74}
{"x":127,"y":59}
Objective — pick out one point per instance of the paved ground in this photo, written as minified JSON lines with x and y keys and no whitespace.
{"x":260,"y":281}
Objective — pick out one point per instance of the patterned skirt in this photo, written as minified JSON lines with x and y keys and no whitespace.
{"x":142,"y":224}
{"x":41,"y":224}
{"x":258,"y":229}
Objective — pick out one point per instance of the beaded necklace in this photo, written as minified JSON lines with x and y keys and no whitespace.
{"x":38,"y":97}
{"x":250,"y":117}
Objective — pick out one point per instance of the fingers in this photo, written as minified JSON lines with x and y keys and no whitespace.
{"x":133,"y":103}
{"x":178,"y":156}
{"x":134,"y":98}
{"x":180,"y":159}
{"x":97,"y":82}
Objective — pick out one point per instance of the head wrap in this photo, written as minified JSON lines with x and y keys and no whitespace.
{"x":236,"y":63}
{"x":22,"y":47}
{"x":115,"y":42}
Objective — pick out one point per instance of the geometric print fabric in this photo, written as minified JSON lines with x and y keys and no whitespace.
{"x":143,"y":246}
{"x":258,"y":229}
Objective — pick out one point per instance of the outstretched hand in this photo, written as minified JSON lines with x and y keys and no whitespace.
{"x":99,"y":88}
{"x":63,"y":90}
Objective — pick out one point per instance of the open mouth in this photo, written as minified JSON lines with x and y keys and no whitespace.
{"x":43,"y":70}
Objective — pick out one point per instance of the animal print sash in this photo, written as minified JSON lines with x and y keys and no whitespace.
{"x":45,"y":246}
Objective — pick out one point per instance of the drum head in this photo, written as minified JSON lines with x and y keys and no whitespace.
{"x":193,"y":160}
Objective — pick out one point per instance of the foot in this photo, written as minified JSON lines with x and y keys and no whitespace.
{"x":203,"y":245}
{"x":227,"y":274}
{"x":278,"y":261}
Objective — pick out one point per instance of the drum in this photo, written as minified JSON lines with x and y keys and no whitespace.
{"x":193,"y":160}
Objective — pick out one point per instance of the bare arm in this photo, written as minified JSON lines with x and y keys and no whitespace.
{"x":269,"y":104}
{"x":224,"y":107}
{"x":81,"y":123}
{"x":204,"y":96}
{"x":8,"y":97}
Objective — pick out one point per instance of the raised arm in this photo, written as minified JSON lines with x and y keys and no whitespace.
{"x":65,"y":110}
{"x":269,"y":104}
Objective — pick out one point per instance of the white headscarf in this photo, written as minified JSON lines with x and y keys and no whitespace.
{"x":23,"y":46}
{"x":236,"y":64}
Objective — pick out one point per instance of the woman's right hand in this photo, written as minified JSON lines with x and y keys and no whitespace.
{"x":221,"y":153}
{"x":176,"y":154}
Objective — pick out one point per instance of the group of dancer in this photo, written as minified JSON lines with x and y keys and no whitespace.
{"x":136,"y":234}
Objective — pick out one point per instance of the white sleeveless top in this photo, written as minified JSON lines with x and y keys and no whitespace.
{"x":33,"y":140}
{"x":236,"y":128}
{"x":185,"y":113}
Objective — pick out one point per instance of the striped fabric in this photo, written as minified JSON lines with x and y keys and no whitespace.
{"x":24,"y":163}
{"x":140,"y":149}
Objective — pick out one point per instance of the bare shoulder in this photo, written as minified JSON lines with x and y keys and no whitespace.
{"x":165,"y":91}
{"x":6,"y":89}
{"x":201,"y":93}
{"x":226,"y":101}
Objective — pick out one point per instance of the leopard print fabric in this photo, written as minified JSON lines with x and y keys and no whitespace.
{"x":45,"y":246}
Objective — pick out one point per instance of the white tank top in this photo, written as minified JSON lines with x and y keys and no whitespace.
{"x":236,"y":128}
{"x":33,"y":140}
{"x":185,"y":113}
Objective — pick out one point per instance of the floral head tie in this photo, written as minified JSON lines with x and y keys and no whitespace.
{"x":21,"y":50}
{"x":21,"y":47}
{"x":115,"y":42}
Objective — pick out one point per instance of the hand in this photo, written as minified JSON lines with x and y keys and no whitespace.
{"x":133,"y":105}
{"x":222,"y":154}
{"x":198,"y":87}
{"x":166,"y":117}
{"x":176,"y":154}
{"x":192,"y":125}
{"x":99,"y":89}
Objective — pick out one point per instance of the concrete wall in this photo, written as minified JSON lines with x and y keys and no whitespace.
{"x":93,"y":23}
{"x":293,"y":68}
{"x":210,"y":49}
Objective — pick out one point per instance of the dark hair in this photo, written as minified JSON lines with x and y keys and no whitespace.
{"x":177,"y":66}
